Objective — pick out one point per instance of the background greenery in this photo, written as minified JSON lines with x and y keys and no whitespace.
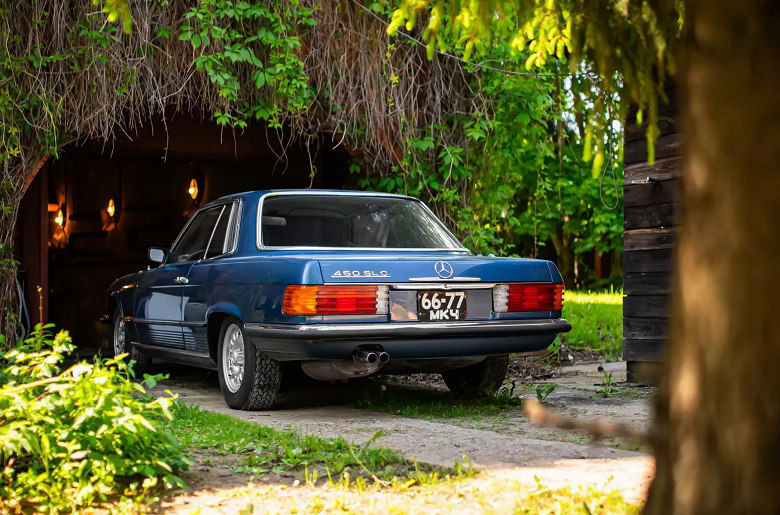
{"x":518,"y":182}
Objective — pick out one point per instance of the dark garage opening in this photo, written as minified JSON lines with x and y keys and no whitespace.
{"x":148,"y":178}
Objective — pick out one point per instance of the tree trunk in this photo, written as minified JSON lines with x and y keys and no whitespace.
{"x":565,"y":261}
{"x":718,"y":418}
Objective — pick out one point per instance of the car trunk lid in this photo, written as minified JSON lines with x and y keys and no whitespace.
{"x":432,"y":269}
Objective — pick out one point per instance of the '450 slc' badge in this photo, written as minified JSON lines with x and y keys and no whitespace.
{"x":360,"y":273}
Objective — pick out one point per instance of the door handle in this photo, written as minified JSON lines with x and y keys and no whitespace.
{"x":181,"y":280}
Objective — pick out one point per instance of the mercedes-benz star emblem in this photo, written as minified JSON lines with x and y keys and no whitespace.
{"x":443,"y":269}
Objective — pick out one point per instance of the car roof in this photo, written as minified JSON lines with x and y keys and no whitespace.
{"x":254,"y":195}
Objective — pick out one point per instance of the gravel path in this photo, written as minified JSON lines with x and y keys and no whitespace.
{"x":521,"y":452}
{"x":429,"y":442}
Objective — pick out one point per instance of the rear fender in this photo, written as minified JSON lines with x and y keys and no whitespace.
{"x":214,"y":318}
{"x":124,"y":300}
{"x":227,"y":308}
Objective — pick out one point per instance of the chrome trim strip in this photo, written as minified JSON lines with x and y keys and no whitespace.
{"x":402,"y":329}
{"x":439,"y":279}
{"x":152,"y":321}
{"x":193,"y":324}
{"x":172,"y":350}
{"x":155,"y":321}
{"x":443,"y":286}
{"x":259,"y":225}
{"x":373,"y":249}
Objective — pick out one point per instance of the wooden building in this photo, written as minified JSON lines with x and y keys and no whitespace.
{"x":651,"y":214}
{"x":89,"y":216}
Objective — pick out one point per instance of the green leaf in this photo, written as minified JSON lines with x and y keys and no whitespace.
{"x":150,"y":381}
{"x":524,"y":117}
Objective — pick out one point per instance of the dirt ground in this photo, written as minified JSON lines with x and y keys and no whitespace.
{"x":512,"y":451}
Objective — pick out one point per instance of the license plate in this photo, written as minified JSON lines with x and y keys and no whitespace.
{"x":441,"y":305}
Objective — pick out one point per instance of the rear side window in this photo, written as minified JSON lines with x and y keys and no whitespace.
{"x":217,"y":246}
{"x":206,"y":236}
{"x":351,"y":221}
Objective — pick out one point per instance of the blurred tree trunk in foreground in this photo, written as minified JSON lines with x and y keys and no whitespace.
{"x":718,"y":427}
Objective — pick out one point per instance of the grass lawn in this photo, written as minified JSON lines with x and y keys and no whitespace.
{"x":597,"y":321}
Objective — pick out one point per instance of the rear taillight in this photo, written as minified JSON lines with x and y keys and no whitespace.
{"x":527,"y":297}
{"x":335,"y":300}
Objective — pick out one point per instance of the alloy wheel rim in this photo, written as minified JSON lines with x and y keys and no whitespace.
{"x":233,"y":358}
{"x":119,"y":336}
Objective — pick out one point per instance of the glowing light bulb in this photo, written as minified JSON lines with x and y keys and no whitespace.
{"x":193,"y":190}
{"x":59,"y":219}
{"x":111,"y":208}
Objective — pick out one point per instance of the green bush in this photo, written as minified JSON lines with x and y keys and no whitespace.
{"x":70,"y":439}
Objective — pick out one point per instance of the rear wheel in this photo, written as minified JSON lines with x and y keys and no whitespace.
{"x":479,"y":378}
{"x":121,"y":344}
{"x":248,"y":378}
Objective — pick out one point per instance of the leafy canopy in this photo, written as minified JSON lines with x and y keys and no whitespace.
{"x":630,"y":44}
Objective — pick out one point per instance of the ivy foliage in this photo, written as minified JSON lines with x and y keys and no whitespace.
{"x":604,"y":33}
{"x":72,"y":438}
{"x":256,"y":45}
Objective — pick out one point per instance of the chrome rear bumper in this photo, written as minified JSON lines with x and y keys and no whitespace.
{"x":394,"y":330}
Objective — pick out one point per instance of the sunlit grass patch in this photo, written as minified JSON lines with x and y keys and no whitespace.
{"x":612,"y":297}
{"x":570,"y":501}
{"x":597,"y":321}
{"x":486,"y":494}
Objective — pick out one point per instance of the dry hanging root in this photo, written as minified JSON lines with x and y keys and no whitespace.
{"x":595,"y":428}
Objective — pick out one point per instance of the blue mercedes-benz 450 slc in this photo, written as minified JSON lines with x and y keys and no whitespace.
{"x":337,"y":284}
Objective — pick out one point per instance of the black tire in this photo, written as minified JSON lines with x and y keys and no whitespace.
{"x":120,"y":344}
{"x":258,"y":386}
{"x":479,"y":378}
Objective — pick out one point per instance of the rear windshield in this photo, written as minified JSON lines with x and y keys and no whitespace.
{"x":351,"y":221}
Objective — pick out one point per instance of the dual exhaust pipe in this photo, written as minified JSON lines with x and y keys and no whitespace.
{"x":370,"y":356}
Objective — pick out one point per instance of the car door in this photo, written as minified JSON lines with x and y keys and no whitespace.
{"x":207,"y":280}
{"x":158,"y":300}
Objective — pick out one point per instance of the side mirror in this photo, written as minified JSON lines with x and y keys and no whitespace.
{"x":157,"y":255}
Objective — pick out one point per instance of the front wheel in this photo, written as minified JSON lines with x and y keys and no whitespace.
{"x":249,"y":379}
{"x":479,"y":378}
{"x":121,"y":344}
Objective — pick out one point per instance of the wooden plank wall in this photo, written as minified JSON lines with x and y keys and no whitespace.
{"x":651,"y":213}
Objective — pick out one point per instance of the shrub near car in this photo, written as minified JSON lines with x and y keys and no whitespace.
{"x":342,"y":284}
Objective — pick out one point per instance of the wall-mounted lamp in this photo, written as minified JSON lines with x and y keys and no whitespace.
{"x":58,"y":238}
{"x":111,"y":208}
{"x":193,"y":190}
